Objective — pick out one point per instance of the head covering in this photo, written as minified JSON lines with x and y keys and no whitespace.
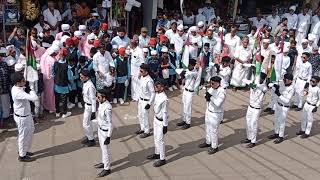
{"x":164,"y":49}
{"x":53,"y":49}
{"x":145,"y":50}
{"x":65,"y":27}
{"x":144,"y":29}
{"x":75,"y":40}
{"x":193,"y":29}
{"x":114,"y":46}
{"x":311,"y":37}
{"x":122,"y":51}
{"x":56,"y":43}
{"x":153,"y":52}
{"x":153,"y":41}
{"x":69,"y":42}
{"x":200,"y":24}
{"x":266,"y":40}
{"x":304,"y":41}
{"x":292,"y":8}
{"x":63,"y":39}
{"x":96,"y":43}
{"x":104,"y":26}
{"x":208,"y":2}
{"x":180,"y":27}
{"x":10,"y":61}
{"x":9,"y":49}
{"x":162,"y":38}
{"x":95,"y":14}
{"x":77,"y":33}
{"x":82,"y":27}
{"x":91,"y":36}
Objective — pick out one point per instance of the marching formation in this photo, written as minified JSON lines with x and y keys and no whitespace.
{"x":91,"y":69}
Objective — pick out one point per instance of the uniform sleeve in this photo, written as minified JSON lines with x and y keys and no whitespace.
{"x":108,"y":115}
{"x":318,"y":103}
{"x":165,"y":112}
{"x":25,"y":96}
{"x":217,"y":101}
{"x":152,"y":92}
{"x":286,"y":99}
{"x":92,"y":96}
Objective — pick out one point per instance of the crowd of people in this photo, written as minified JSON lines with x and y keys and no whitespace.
{"x":82,"y":65}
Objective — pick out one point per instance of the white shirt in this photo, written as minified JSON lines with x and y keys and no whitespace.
{"x":257,"y":95}
{"x":252,"y":40}
{"x":137,"y":58}
{"x":304,"y":71}
{"x":258,"y":23}
{"x":300,"y":51}
{"x":188,"y":20}
{"x":169,"y":34}
{"x":109,"y":80}
{"x":143,"y":42}
{"x":286,"y":94}
{"x":147,"y":89}
{"x":244,"y":54}
{"x":232,"y":42}
{"x":190,"y":79}
{"x":292,"y":20}
{"x":89,"y":94}
{"x":200,"y":17}
{"x":225,"y":74}
{"x":21,"y":100}
{"x":273,"y":21}
{"x":285,"y":61}
{"x":52,"y":19}
{"x":105,"y":117}
{"x":208,"y":12}
{"x":313,"y":96}
{"x":120,"y":42}
{"x":178,"y":42}
{"x":303,"y":22}
{"x":266,"y":53}
{"x":217,"y":99}
{"x":314,"y":20}
{"x":160,"y":107}
{"x":101,"y":63}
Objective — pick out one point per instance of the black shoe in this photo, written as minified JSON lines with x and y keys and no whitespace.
{"x":294,"y":106}
{"x":271,"y":111}
{"x":251,"y":145}
{"x":221,"y":122}
{"x":304,"y":136}
{"x":273,"y":136}
{"x":244,"y":141}
{"x":144,"y":135}
{"x":159,"y":163}
{"x":99,"y":165}
{"x":104,"y":173}
{"x":186,"y":126}
{"x":91,"y":143}
{"x":300,"y":133}
{"x":85,"y":140}
{"x":278,"y":140}
{"x":153,"y":156}
{"x":212,"y":151}
{"x":181,"y":123}
{"x":139,"y":132}
{"x":267,"y":110}
{"x":25,"y":159}
{"x":29,"y":154}
{"x":298,"y":109}
{"x":204,"y":145}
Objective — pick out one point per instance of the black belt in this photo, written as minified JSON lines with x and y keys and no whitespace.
{"x":188,"y":90}
{"x":159,"y":119}
{"x":88,"y":104}
{"x":144,"y":99}
{"x":283,"y":105}
{"x":105,"y":130}
{"x":254,"y":107}
{"x":311,"y":104}
{"x":20,"y":116}
{"x":302,"y":79}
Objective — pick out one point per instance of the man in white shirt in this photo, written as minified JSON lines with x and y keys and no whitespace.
{"x":144,"y":39}
{"x":292,"y":18}
{"x":172,"y":31}
{"x":121,"y":40}
{"x":200,"y":16}
{"x":137,"y":58}
{"x":273,"y":20}
{"x":303,"y":25}
{"x":195,"y":42}
{"x":315,"y":19}
{"x":179,"y":40}
{"x":53,"y":17}
{"x":258,"y":21}
{"x":232,"y":40}
{"x":188,"y":18}
{"x":208,"y":11}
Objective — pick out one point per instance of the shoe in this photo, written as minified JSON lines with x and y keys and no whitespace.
{"x":271,"y":111}
{"x":278,"y":140}
{"x":251,"y":145}
{"x":298,"y":109}
{"x":294,"y":106}
{"x":212,"y":151}
{"x":139,"y":132}
{"x":29,"y":154}
{"x":221,"y":122}
{"x":273,"y":136}
{"x":71,"y":105}
{"x":121,"y":101}
{"x":144,"y":135}
{"x":244,"y":141}
{"x":115,"y":101}
{"x":304,"y":136}
{"x":300,"y":133}
{"x":204,"y":145}
{"x":267,"y":110}
{"x":80,"y":105}
{"x":85,"y":140}
{"x":159,"y":163}
{"x":181,"y":123}
{"x":174,"y":87}
{"x":99,"y":165}
{"x":25,"y":159}
{"x":57,"y":115}
{"x":66,"y":115}
{"x":170,"y":89}
{"x":186,"y":126}
{"x":91,"y":143}
{"x":153,"y":156}
{"x":104,"y":173}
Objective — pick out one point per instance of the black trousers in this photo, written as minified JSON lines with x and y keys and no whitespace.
{"x":61,"y":98}
{"x":75,"y":93}
{"x":120,"y":88}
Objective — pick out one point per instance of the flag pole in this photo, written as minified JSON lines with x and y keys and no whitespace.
{"x":27,"y":54}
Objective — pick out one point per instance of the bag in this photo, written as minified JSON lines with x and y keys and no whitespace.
{"x":165,"y":73}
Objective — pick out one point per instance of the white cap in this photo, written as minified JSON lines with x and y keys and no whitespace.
{"x":311,"y":37}
{"x":41,"y":34}
{"x":94,"y":14}
{"x":82,"y":27}
{"x":38,"y":66}
{"x":208,"y":2}
{"x":145,"y":50}
{"x":53,"y":49}
{"x":65,"y":27}
{"x":266,"y":40}
{"x":193,"y":29}
{"x":153,"y":52}
{"x":180,"y":27}
{"x":10,"y":61}
{"x":164,"y":49}
{"x":18,"y":67}
{"x":304,"y":41}
{"x":55,"y":43}
{"x":292,"y":8}
{"x":91,"y":36}
{"x":114,"y":46}
{"x":63,"y":39}
{"x":200,"y":24}
{"x":77,"y":33}
{"x":9,"y":48}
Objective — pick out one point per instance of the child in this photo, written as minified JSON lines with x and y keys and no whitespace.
{"x":122,"y":79}
{"x":110,"y":81}
{"x":38,"y":109}
{"x":165,"y":67}
{"x":205,"y":59}
{"x":225,"y":71}
{"x":174,"y":63}
{"x":145,"y":53}
{"x":154,"y":65}
{"x":72,"y":76}
{"x":114,"y":53}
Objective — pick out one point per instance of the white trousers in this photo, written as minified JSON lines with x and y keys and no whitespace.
{"x":252,"y":118}
{"x":307,"y":118}
{"x":38,"y":107}
{"x":86,"y":123}
{"x":298,"y":90}
{"x":143,"y":116}
{"x":135,"y":88}
{"x":273,"y":100}
{"x":4,"y":105}
{"x":25,"y":129}
{"x":105,"y":149}
{"x":280,"y":119}
{"x":212,"y":122}
{"x":159,"y":138}
{"x":187,"y":106}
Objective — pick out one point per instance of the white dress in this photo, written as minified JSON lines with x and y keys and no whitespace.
{"x":240,"y":72}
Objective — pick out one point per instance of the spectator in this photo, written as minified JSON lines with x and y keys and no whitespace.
{"x":53,"y":17}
